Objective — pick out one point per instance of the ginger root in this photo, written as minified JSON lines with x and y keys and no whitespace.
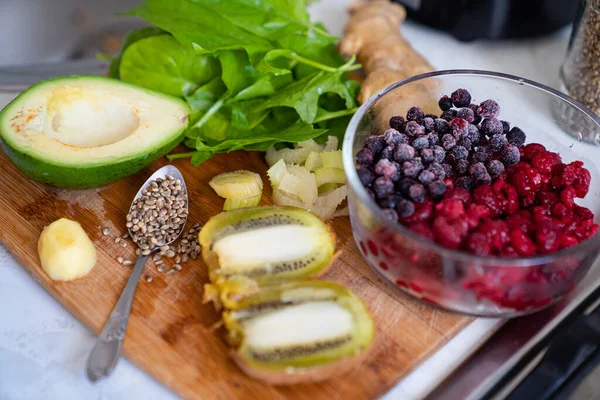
{"x":372,"y":34}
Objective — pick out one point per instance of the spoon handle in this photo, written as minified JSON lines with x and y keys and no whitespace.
{"x":107,"y":350}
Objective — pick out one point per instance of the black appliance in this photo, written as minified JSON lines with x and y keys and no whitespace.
{"x":468,"y":20}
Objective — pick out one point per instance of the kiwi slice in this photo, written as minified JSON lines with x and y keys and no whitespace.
{"x":266,"y":244}
{"x":298,"y":332}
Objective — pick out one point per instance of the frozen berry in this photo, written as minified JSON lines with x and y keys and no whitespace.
{"x":438,"y":170}
{"x":461,"y":167}
{"x":510,"y":155}
{"x":489,"y":109}
{"x":405,"y":208}
{"x":414,"y":114}
{"x":426,"y":176}
{"x":545,"y":161}
{"x":404,"y":152}
{"x":448,"y":115}
{"x":392,"y":137}
{"x":477,"y":118}
{"x":445,"y":103}
{"x":465,"y":142}
{"x":441,"y":126}
{"x":466,"y":113}
{"x":365,"y":175}
{"x":390,"y":214}
{"x":461,"y":98}
{"x":483,"y":179}
{"x":427,"y":156}
{"x":460,"y":127}
{"x":516,"y":137}
{"x":505,"y":127}
{"x":491,"y":127}
{"x":397,"y":123}
{"x":417,"y":193}
{"x":371,"y":193}
{"x":383,"y":187}
{"x":386,"y":168}
{"x":477,"y":169}
{"x":433,"y":138}
{"x":439,"y":153}
{"x":531,"y":149}
{"x":458,"y":153}
{"x":420,"y":143}
{"x":498,"y":142}
{"x":495,"y":168}
{"x":404,"y":184}
{"x":365,"y":157}
{"x":375,"y":143}
{"x":474,"y":134}
{"x":483,"y":154}
{"x":387,"y":153}
{"x":388,"y":202}
{"x":414,"y":129}
{"x":412,"y":168}
{"x":464,"y":182}
{"x":436,"y":188}
{"x":448,"y":141}
{"x":448,"y":170}
{"x":428,"y":124}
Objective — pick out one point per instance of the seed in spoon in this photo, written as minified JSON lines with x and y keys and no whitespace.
{"x":127,"y":262}
{"x":148,"y":278}
{"x":106,"y":231}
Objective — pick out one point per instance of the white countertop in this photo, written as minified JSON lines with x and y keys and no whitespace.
{"x":43,"y":348}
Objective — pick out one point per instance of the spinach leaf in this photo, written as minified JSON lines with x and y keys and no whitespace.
{"x":161,"y":63}
{"x":130,"y":38}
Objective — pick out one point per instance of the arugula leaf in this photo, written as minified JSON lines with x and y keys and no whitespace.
{"x":132,"y":37}
{"x":161,"y":63}
{"x":237,"y":73}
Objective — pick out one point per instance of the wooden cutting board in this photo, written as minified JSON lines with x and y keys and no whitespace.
{"x":170,"y":332}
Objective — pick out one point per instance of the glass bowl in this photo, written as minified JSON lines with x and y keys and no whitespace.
{"x":455,"y":280}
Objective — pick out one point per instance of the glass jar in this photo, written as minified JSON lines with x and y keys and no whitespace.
{"x":581,"y":69}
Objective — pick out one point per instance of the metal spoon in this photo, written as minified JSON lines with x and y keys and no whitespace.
{"x":107,"y":350}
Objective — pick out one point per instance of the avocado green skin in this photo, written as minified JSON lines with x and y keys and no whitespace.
{"x":82,"y":178}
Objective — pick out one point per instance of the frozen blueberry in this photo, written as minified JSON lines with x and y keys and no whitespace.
{"x":491,"y":127}
{"x":390,"y":214}
{"x":397,"y":123}
{"x":497,"y":142}
{"x":426,"y":176}
{"x":417,"y":193}
{"x":366,"y":176}
{"x":445,"y":103}
{"x":441,"y":126}
{"x":474,"y":134}
{"x":433,"y":138}
{"x":414,"y":129}
{"x":365,"y":157}
{"x":477,"y":117}
{"x":461,"y":167}
{"x":505,"y":127}
{"x":371,"y":193}
{"x":404,"y":184}
{"x":392,"y":137}
{"x":432,"y":116}
{"x":483,"y":154}
{"x":489,"y":109}
{"x":375,"y":143}
{"x":495,"y":168}
{"x":459,"y":153}
{"x":465,"y":142}
{"x":464,"y":182}
{"x":477,"y":169}
{"x":405,"y":208}
{"x":387,"y":153}
{"x":466,"y":113}
{"x":437,"y":170}
{"x":436,"y":188}
{"x":448,"y":115}
{"x":415,"y":114}
{"x":483,"y":179}
{"x":404,"y":152}
{"x":427,"y":156}
{"x":386,"y":168}
{"x":461,"y":98}
{"x":448,"y":141}
{"x":510,"y":155}
{"x":516,"y":137}
{"x":420,"y":143}
{"x":413,"y":167}
{"x":439,"y":153}
{"x":460,"y":127}
{"x":383,"y":187}
{"x":428,"y":124}
{"x":388,"y":202}
{"x":448,"y":170}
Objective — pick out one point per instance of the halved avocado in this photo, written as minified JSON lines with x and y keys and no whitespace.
{"x":81,"y":132}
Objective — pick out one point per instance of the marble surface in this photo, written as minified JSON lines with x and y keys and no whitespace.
{"x":43,"y":348}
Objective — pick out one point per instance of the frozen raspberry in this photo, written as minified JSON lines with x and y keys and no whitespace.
{"x":375,"y":143}
{"x":417,"y":193}
{"x":449,"y":232}
{"x":386,"y":168}
{"x":364,"y":157}
{"x":451,"y":207}
{"x":496,"y":232}
{"x":437,"y":170}
{"x":414,"y":129}
{"x":414,"y":114}
{"x":506,"y":127}
{"x":527,"y":181}
{"x":460,"y":194}
{"x":522,"y":222}
{"x":465,"y":142}
{"x":439,"y":154}
{"x":421,"y":229}
{"x":474,"y":134}
{"x":460,"y":127}
{"x":531,"y":149}
{"x":466,"y":113}
{"x":574,"y":174}
{"x":458,"y":153}
{"x":448,"y":170}
{"x":448,"y":115}
{"x":420,"y":143}
{"x":508,"y":194}
{"x":483,"y":154}
{"x":442,"y":126}
{"x":464,"y":182}
{"x":445,"y":103}
{"x":365,"y":176}
{"x":477,"y":244}
{"x":510,"y":155}
{"x":404,"y":152}
{"x":428,"y":124}
{"x":392,"y":137}
{"x":397,"y":123}
{"x":522,"y":244}
{"x":484,"y":195}
{"x":494,"y":168}
{"x":390,"y":214}
{"x":461,"y":167}
{"x":498,"y":142}
{"x":489,"y":109}
{"x":413,"y":167}
{"x":516,"y":137}
{"x":434,"y":139}
{"x":491,"y":127}
{"x":387,"y":153}
{"x":545,"y":161}
{"x":461,"y":98}
{"x":405,"y":208}
{"x":436,"y":188}
{"x":448,"y":141}
{"x":427,"y":156}
{"x":567,"y":196}
{"x":426,"y":176}
{"x":547,"y":237}
{"x":383,"y":187}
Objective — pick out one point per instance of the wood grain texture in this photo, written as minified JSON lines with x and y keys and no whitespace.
{"x":170,"y":332}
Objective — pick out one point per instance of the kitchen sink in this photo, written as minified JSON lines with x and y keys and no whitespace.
{"x":42,"y":39}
